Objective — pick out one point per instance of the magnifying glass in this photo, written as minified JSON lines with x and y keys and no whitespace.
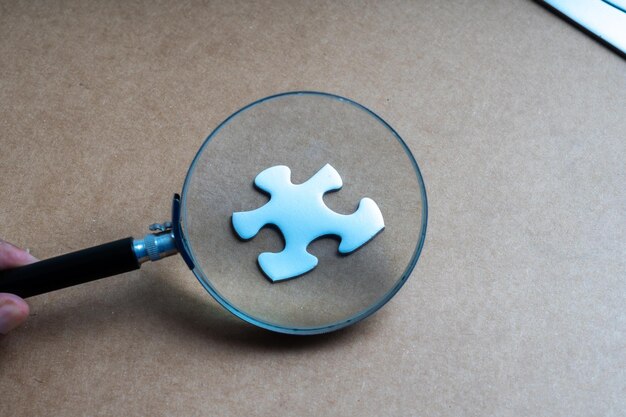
{"x":302,"y":213}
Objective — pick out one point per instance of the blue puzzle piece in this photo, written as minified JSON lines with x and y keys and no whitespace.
{"x":298,"y":210}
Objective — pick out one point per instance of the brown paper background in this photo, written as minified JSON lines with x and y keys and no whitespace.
{"x":516,"y":307}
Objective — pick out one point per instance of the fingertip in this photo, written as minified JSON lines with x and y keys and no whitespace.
{"x":11,"y":256}
{"x":27,"y":258}
{"x":13,"y":312}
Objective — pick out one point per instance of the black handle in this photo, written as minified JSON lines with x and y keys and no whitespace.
{"x":70,"y":269}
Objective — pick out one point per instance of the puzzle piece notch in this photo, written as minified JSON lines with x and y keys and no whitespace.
{"x":298,"y":210}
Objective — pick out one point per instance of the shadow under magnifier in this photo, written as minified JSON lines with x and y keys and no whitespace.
{"x":198,"y":317}
{"x":155,"y":294}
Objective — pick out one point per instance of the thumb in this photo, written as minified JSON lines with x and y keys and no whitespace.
{"x":13,"y":311}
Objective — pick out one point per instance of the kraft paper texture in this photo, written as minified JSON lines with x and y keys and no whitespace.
{"x":516,"y":118}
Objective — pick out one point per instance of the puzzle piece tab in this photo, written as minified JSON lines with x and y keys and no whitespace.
{"x":298,"y":210}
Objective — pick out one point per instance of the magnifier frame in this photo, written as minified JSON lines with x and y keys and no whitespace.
{"x":128,"y":254}
{"x":181,"y":224}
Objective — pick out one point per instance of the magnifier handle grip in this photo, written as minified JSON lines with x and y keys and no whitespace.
{"x":71,"y":269}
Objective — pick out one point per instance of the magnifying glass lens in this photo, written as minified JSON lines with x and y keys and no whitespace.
{"x":304,"y":132}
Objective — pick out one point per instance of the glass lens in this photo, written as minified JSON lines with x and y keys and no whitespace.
{"x":303,"y":131}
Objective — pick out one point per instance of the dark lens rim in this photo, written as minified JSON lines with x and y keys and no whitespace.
{"x":332,"y":326}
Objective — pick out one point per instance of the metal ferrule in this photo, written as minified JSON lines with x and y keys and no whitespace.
{"x":153,"y":247}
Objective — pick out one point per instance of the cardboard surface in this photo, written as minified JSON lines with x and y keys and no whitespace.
{"x":516,"y":119}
